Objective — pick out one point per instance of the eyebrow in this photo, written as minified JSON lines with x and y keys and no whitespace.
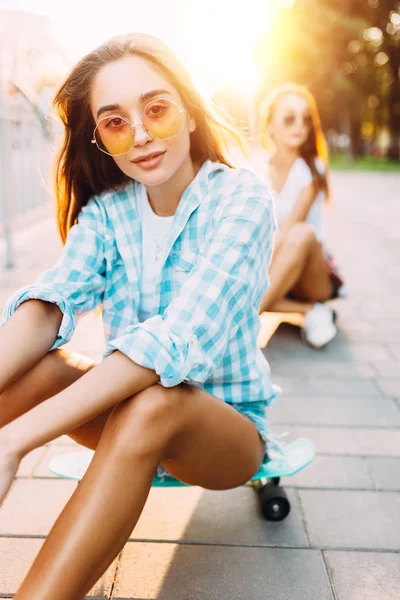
{"x":143,"y":98}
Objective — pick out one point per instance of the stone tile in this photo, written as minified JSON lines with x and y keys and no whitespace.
{"x":390,"y":386}
{"x":349,"y":519}
{"x":165,"y":571}
{"x":394,"y":350}
{"x":364,"y":575}
{"x":360,"y":351}
{"x":333,"y":472}
{"x":364,"y":331}
{"x":287,"y":345}
{"x":42,"y":469}
{"x":335,"y":410}
{"x":33,"y":505}
{"x":204,"y":516}
{"x":321,"y":369}
{"x":309,"y":385}
{"x":336,"y":440}
{"x":386,"y":368}
{"x":16,"y":558}
{"x":385,"y":472}
{"x":30,"y":461}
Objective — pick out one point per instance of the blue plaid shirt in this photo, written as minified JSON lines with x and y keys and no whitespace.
{"x":204,"y":324}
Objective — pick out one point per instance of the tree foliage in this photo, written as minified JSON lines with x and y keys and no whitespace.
{"x":348,"y":53}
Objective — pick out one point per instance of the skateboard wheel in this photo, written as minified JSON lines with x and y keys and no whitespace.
{"x":274,"y":503}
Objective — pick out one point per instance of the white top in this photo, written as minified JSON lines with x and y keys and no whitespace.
{"x":299,"y":176}
{"x":155,"y":234}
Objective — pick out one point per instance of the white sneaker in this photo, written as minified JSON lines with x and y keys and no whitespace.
{"x":319,"y":326}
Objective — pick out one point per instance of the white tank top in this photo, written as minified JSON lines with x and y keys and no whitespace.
{"x":155,"y":234}
{"x":299,"y":176}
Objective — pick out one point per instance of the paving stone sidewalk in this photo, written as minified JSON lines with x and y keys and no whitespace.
{"x":342,"y":538}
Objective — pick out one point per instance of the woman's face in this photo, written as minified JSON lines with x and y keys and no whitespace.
{"x":291,"y":121}
{"x":124,"y":88}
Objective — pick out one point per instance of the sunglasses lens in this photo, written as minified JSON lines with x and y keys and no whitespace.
{"x":114,"y":135}
{"x":162,"y":119}
{"x":288,"y":120}
{"x":307,"y":121}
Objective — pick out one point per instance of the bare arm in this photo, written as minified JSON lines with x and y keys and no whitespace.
{"x":109,"y":383}
{"x":41,"y":316}
{"x":26,"y":337}
{"x":299,"y":212}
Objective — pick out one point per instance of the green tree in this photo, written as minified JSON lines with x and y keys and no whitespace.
{"x":347,"y":53}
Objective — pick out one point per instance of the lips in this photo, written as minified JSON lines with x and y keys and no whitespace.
{"x":147,"y":157}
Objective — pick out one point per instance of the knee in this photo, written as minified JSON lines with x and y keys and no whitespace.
{"x":147,"y":421}
{"x":301,"y":235}
{"x":60,"y":359}
{"x":157,"y":404}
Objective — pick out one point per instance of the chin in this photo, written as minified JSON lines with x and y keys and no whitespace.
{"x":154,"y":177}
{"x":296,"y":143}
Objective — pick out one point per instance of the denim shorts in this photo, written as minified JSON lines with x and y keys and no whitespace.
{"x":256,"y":412}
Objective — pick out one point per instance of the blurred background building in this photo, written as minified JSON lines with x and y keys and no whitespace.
{"x":31,"y":62}
{"x":31,"y":66}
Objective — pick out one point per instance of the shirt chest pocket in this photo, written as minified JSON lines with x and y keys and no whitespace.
{"x":182,"y":264}
{"x":184,"y":261}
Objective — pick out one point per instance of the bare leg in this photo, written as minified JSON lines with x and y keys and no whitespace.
{"x":287,"y":305}
{"x":197,"y":437}
{"x":299,"y":255}
{"x":315,"y":283}
{"x":56,"y":371}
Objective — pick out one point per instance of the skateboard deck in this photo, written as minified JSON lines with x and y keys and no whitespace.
{"x":295,"y":456}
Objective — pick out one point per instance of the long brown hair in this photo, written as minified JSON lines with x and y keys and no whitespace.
{"x":315,"y":145}
{"x":81,"y":171}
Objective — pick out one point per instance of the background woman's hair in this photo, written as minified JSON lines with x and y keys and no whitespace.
{"x":315,"y":145}
{"x":81,"y":171}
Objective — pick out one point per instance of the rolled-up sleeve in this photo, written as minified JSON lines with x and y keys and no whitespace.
{"x":76,"y":283}
{"x":222,"y":292}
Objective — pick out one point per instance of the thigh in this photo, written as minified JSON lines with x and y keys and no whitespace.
{"x":217,"y":447}
{"x":314,"y":284}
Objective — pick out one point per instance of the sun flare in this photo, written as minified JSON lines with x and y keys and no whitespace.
{"x":214,"y":39}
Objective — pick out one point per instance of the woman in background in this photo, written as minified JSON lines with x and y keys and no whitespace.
{"x":303,"y":275}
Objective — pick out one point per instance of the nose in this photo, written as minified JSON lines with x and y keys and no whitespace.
{"x":140,"y":135}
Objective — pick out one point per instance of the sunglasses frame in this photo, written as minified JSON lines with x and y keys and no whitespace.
{"x":133,"y":126}
{"x":307,"y":121}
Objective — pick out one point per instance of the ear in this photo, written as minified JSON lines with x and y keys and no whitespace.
{"x":192,"y":124}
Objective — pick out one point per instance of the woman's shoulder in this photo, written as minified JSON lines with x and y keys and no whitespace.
{"x":100,"y":210}
{"x":116,"y":193}
{"x":241,"y":191}
{"x":242,"y":175}
{"x":303,"y":170}
{"x":103,"y":201}
{"x":318,"y":162}
{"x":320,"y":165}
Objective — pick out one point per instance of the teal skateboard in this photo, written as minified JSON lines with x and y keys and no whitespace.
{"x":273,"y":501}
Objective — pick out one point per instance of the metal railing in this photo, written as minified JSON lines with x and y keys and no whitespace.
{"x":25,"y":156}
